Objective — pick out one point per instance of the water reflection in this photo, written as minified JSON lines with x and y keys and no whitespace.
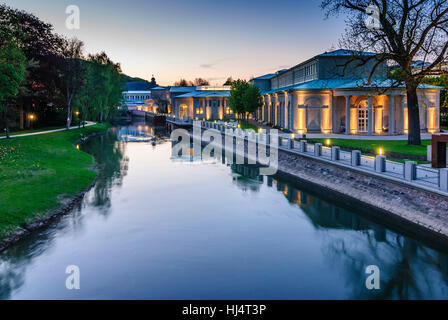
{"x":409,"y":270}
{"x":289,"y":241}
{"x":109,"y":153}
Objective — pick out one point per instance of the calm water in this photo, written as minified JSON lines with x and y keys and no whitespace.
{"x":160,"y":228}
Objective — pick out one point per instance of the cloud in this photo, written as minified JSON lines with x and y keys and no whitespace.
{"x":216,"y":78}
{"x":213,"y":64}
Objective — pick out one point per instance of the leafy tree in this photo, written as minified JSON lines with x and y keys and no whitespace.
{"x":406,"y":30}
{"x":236,"y":99}
{"x":228,"y":82}
{"x":74,"y":73}
{"x":42,"y":50}
{"x":201,"y":82}
{"x":12,"y":74}
{"x":107,"y":83}
{"x":252,"y":99}
{"x":183,"y":83}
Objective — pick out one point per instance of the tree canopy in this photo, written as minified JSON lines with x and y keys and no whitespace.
{"x":48,"y":76}
{"x":398,"y":31}
{"x":244,"y":98}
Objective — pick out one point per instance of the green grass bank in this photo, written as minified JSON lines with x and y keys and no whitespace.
{"x":38,"y":173}
{"x":397,"y":150}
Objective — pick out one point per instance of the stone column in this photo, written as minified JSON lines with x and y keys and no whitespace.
{"x":402,"y":113}
{"x":371,"y":120}
{"x":391,"y":115}
{"x":347,"y":114}
{"x":292,"y":111}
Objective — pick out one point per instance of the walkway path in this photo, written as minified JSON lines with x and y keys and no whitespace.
{"x":88,"y":124}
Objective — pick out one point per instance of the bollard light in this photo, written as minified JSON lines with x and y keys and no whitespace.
{"x":328,"y":142}
{"x":380,"y":151}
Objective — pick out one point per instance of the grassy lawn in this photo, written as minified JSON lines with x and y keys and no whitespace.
{"x":243,"y":125}
{"x":2,"y":134}
{"x":372,"y":146}
{"x":38,"y":172}
{"x":247,"y":126}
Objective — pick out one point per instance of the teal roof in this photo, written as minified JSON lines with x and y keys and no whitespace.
{"x":205,"y":94}
{"x":345,"y":53}
{"x":331,"y":84}
{"x":265,"y":77}
{"x":183,"y":89}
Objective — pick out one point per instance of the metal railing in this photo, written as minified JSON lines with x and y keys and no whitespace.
{"x":409,"y":172}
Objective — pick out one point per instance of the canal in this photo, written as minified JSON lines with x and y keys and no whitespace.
{"x":156,"y":227}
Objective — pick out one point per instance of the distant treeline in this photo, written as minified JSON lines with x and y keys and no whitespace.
{"x":46,"y":79}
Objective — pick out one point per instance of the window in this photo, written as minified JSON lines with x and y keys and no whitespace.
{"x":200,"y":110}
{"x":228,"y":110}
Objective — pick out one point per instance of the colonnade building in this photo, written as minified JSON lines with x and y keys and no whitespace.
{"x":330,"y":93}
{"x":201,"y":102}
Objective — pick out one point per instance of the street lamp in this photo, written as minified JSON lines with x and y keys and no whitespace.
{"x":31,"y":117}
{"x":79,"y":120}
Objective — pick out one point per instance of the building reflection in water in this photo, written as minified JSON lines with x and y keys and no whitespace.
{"x":408,"y":268}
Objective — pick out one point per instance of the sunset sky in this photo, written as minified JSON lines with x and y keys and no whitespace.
{"x":175,"y":39}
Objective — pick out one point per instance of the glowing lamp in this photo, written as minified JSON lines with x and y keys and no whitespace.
{"x":328,"y":142}
{"x":380,"y":151}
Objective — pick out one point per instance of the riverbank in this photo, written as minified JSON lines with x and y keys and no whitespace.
{"x":418,"y":212}
{"x":42,"y":176}
{"x":415,"y":210}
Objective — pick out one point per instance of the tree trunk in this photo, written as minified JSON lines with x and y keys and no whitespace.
{"x":101,"y":112}
{"x":69,"y":115}
{"x":414,"y":137}
{"x":21,"y":116}
{"x":5,"y":121}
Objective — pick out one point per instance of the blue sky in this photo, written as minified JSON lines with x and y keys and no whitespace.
{"x":196,"y":38}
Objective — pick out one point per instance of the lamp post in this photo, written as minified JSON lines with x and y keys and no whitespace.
{"x":79,"y":119}
{"x":31,"y":117}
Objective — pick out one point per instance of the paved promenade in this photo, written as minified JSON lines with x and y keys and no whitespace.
{"x":88,"y":124}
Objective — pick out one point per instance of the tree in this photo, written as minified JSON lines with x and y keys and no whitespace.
{"x":228,"y":82}
{"x":74,"y":73}
{"x":236,"y":99}
{"x":405,"y":30}
{"x":183,"y":83}
{"x":252,"y":100}
{"x":106,"y":82}
{"x":12,"y":74}
{"x":42,"y":49}
{"x":201,"y":82}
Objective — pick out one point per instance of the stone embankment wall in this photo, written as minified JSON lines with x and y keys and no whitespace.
{"x":422,"y":209}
